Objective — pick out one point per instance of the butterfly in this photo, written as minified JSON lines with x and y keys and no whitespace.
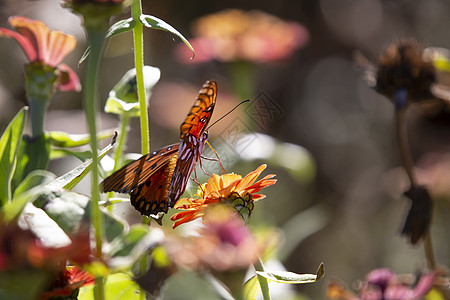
{"x":157,"y":180}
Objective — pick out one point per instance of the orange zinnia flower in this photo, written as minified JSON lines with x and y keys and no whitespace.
{"x":229,"y":189}
{"x":67,"y":283}
{"x":45,"y":47}
{"x":235,"y":35}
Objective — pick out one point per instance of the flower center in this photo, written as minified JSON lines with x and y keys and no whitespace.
{"x":242,"y":203}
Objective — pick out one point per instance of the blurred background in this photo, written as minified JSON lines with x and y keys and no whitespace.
{"x":329,"y":138}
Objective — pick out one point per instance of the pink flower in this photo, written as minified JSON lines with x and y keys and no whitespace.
{"x":223,"y":244}
{"x":233,"y":35}
{"x":383,"y":284}
{"x":46,"y":47}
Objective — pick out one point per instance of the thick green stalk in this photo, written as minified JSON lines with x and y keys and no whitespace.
{"x":37,"y":115}
{"x":96,"y":38}
{"x":136,"y":10}
{"x":40,"y":82}
{"x":262,"y":281}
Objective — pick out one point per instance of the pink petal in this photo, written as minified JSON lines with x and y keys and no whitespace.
{"x":35,"y":31}
{"x":68,"y":79}
{"x":424,"y":285}
{"x":59,"y":45}
{"x":23,"y":42}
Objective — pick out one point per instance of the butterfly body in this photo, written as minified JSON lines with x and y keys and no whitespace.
{"x":157,"y":180}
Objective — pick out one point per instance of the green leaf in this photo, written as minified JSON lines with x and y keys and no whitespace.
{"x":59,"y":153}
{"x":35,"y":178}
{"x":73,"y":177}
{"x":250,"y":289}
{"x":12,"y":209}
{"x":66,"y":140}
{"x":9,"y":145}
{"x":116,"y":106}
{"x":34,"y":154}
{"x":66,"y":208}
{"x":114,"y":227}
{"x":293,"y":278}
{"x":117,"y":286}
{"x":129,"y":248}
{"x":85,"y":55}
{"x":156,"y":23}
{"x":123,"y":98}
{"x":121,"y":27}
{"x":24,"y":284}
{"x":43,"y":227}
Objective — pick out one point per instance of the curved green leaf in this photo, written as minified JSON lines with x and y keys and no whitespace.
{"x":250,"y":289}
{"x":33,"y":154}
{"x":85,"y":55}
{"x":129,"y":248}
{"x":156,"y":23}
{"x":121,"y":27}
{"x":9,"y":145}
{"x":123,"y":98}
{"x":293,"y":278}
{"x":73,"y":177}
{"x":35,"y":178}
{"x":81,"y":155}
{"x":66,"y":140}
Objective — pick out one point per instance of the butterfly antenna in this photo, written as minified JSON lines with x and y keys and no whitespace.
{"x":227,"y":113}
{"x":218,"y":159}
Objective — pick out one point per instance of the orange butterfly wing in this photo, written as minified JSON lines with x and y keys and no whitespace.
{"x":193,"y":137}
{"x":150,"y":198}
{"x":145,"y":174}
{"x":201,"y":112}
{"x":157,"y":180}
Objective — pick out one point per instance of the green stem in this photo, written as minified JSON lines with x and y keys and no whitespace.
{"x":262,"y":281}
{"x":136,"y":10}
{"x":91,"y":106}
{"x":99,"y":289}
{"x":96,"y":38}
{"x":124,"y":122}
{"x":37,"y":116}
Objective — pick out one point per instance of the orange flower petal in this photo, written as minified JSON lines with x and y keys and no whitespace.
{"x":59,"y":45}
{"x":184,"y":202}
{"x":187,"y":218}
{"x":35,"y":31}
{"x":260,"y":184}
{"x":227,"y":179}
{"x":213,"y":185}
{"x":250,"y":178}
{"x":257,"y":197}
{"x":221,"y":186}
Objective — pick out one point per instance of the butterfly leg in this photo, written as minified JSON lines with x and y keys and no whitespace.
{"x":197,"y":182}
{"x":201,"y":167}
{"x":218,"y":159}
